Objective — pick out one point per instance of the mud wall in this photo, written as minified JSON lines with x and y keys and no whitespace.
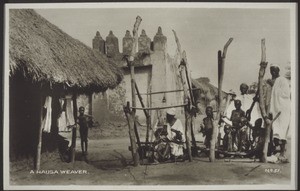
{"x":155,"y":71}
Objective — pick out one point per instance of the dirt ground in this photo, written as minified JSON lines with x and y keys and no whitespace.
{"x":109,"y":163}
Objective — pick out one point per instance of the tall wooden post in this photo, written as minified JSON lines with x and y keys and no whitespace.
{"x":221,"y":63}
{"x":188,"y":123}
{"x":192,"y":109}
{"x":90,"y":97}
{"x":130,"y":120}
{"x":192,"y":125}
{"x":262,"y":102}
{"x":39,"y":146}
{"x":134,"y":102}
{"x":132,"y":74}
{"x":145,"y":112}
{"x":132,"y":113}
{"x":74,"y":129}
{"x":187,"y":98}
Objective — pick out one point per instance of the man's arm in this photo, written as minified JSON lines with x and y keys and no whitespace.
{"x":231,"y":115}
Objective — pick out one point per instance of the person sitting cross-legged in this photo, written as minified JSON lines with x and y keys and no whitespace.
{"x":175,"y":134}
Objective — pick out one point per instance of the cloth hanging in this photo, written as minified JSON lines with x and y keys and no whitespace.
{"x":46,"y":123}
{"x":62,"y":120}
{"x":69,"y":111}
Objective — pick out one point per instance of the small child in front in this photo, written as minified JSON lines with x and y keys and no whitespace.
{"x":83,"y":121}
{"x":207,"y":126}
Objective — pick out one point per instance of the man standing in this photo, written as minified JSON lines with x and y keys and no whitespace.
{"x":280,"y":102}
{"x":246,"y":101}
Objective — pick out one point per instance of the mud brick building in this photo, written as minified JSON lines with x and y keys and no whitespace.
{"x":155,"y":70}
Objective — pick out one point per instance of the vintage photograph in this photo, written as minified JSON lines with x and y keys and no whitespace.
{"x":150,"y":96}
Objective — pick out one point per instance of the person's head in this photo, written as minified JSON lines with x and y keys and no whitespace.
{"x":244,"y":88}
{"x":209,"y":111}
{"x":258,"y":123}
{"x":81,"y":110}
{"x":170,"y":114}
{"x":274,"y":70}
{"x":226,"y":129}
{"x":232,"y":94}
{"x":237,"y":104}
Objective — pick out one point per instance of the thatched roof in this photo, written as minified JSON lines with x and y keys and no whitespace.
{"x":206,"y":88}
{"x":45,"y":54}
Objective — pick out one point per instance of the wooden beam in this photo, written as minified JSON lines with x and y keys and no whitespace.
{"x":130,"y":120}
{"x":169,"y":91}
{"x":130,"y":115}
{"x":157,"y":108}
{"x":221,"y":63}
{"x":192,"y":129}
{"x":136,"y":133}
{"x":188,"y":122}
{"x":145,"y":112}
{"x":74,"y":130}
{"x":39,"y":146}
{"x":132,"y":74}
{"x":262,"y":102}
{"x":186,"y":97}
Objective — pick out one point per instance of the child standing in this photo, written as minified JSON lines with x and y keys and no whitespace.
{"x":236,"y":116}
{"x":257,"y":142}
{"x":207,"y":126}
{"x":227,"y":139}
{"x":83,"y":121}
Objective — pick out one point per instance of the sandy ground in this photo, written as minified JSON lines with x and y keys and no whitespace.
{"x":109,"y":163}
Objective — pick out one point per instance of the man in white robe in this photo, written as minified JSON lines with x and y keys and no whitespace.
{"x":176,"y":133}
{"x":247,"y":100}
{"x":280,"y":102}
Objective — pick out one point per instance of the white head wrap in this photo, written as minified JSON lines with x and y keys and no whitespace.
{"x":231,"y":92}
{"x":274,"y":65}
{"x":171,"y":111}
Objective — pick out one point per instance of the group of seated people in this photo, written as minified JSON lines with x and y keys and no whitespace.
{"x":240,"y":133}
{"x":241,"y":125}
{"x":243,"y":129}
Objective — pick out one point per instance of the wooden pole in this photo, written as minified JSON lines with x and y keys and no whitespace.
{"x":187,"y":99}
{"x":90,"y":98}
{"x":188,"y":121}
{"x":39,"y":146}
{"x":145,"y":112}
{"x":158,"y":108}
{"x":130,"y":120}
{"x":192,"y":130}
{"x":262,"y":102}
{"x":192,"y":110}
{"x":132,"y":74}
{"x":188,"y":115}
{"x":221,"y":63}
{"x":130,"y":115}
{"x":169,"y":91}
{"x":74,"y":130}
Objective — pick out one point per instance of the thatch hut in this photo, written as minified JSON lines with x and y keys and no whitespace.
{"x":206,"y":93}
{"x":45,"y":61}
